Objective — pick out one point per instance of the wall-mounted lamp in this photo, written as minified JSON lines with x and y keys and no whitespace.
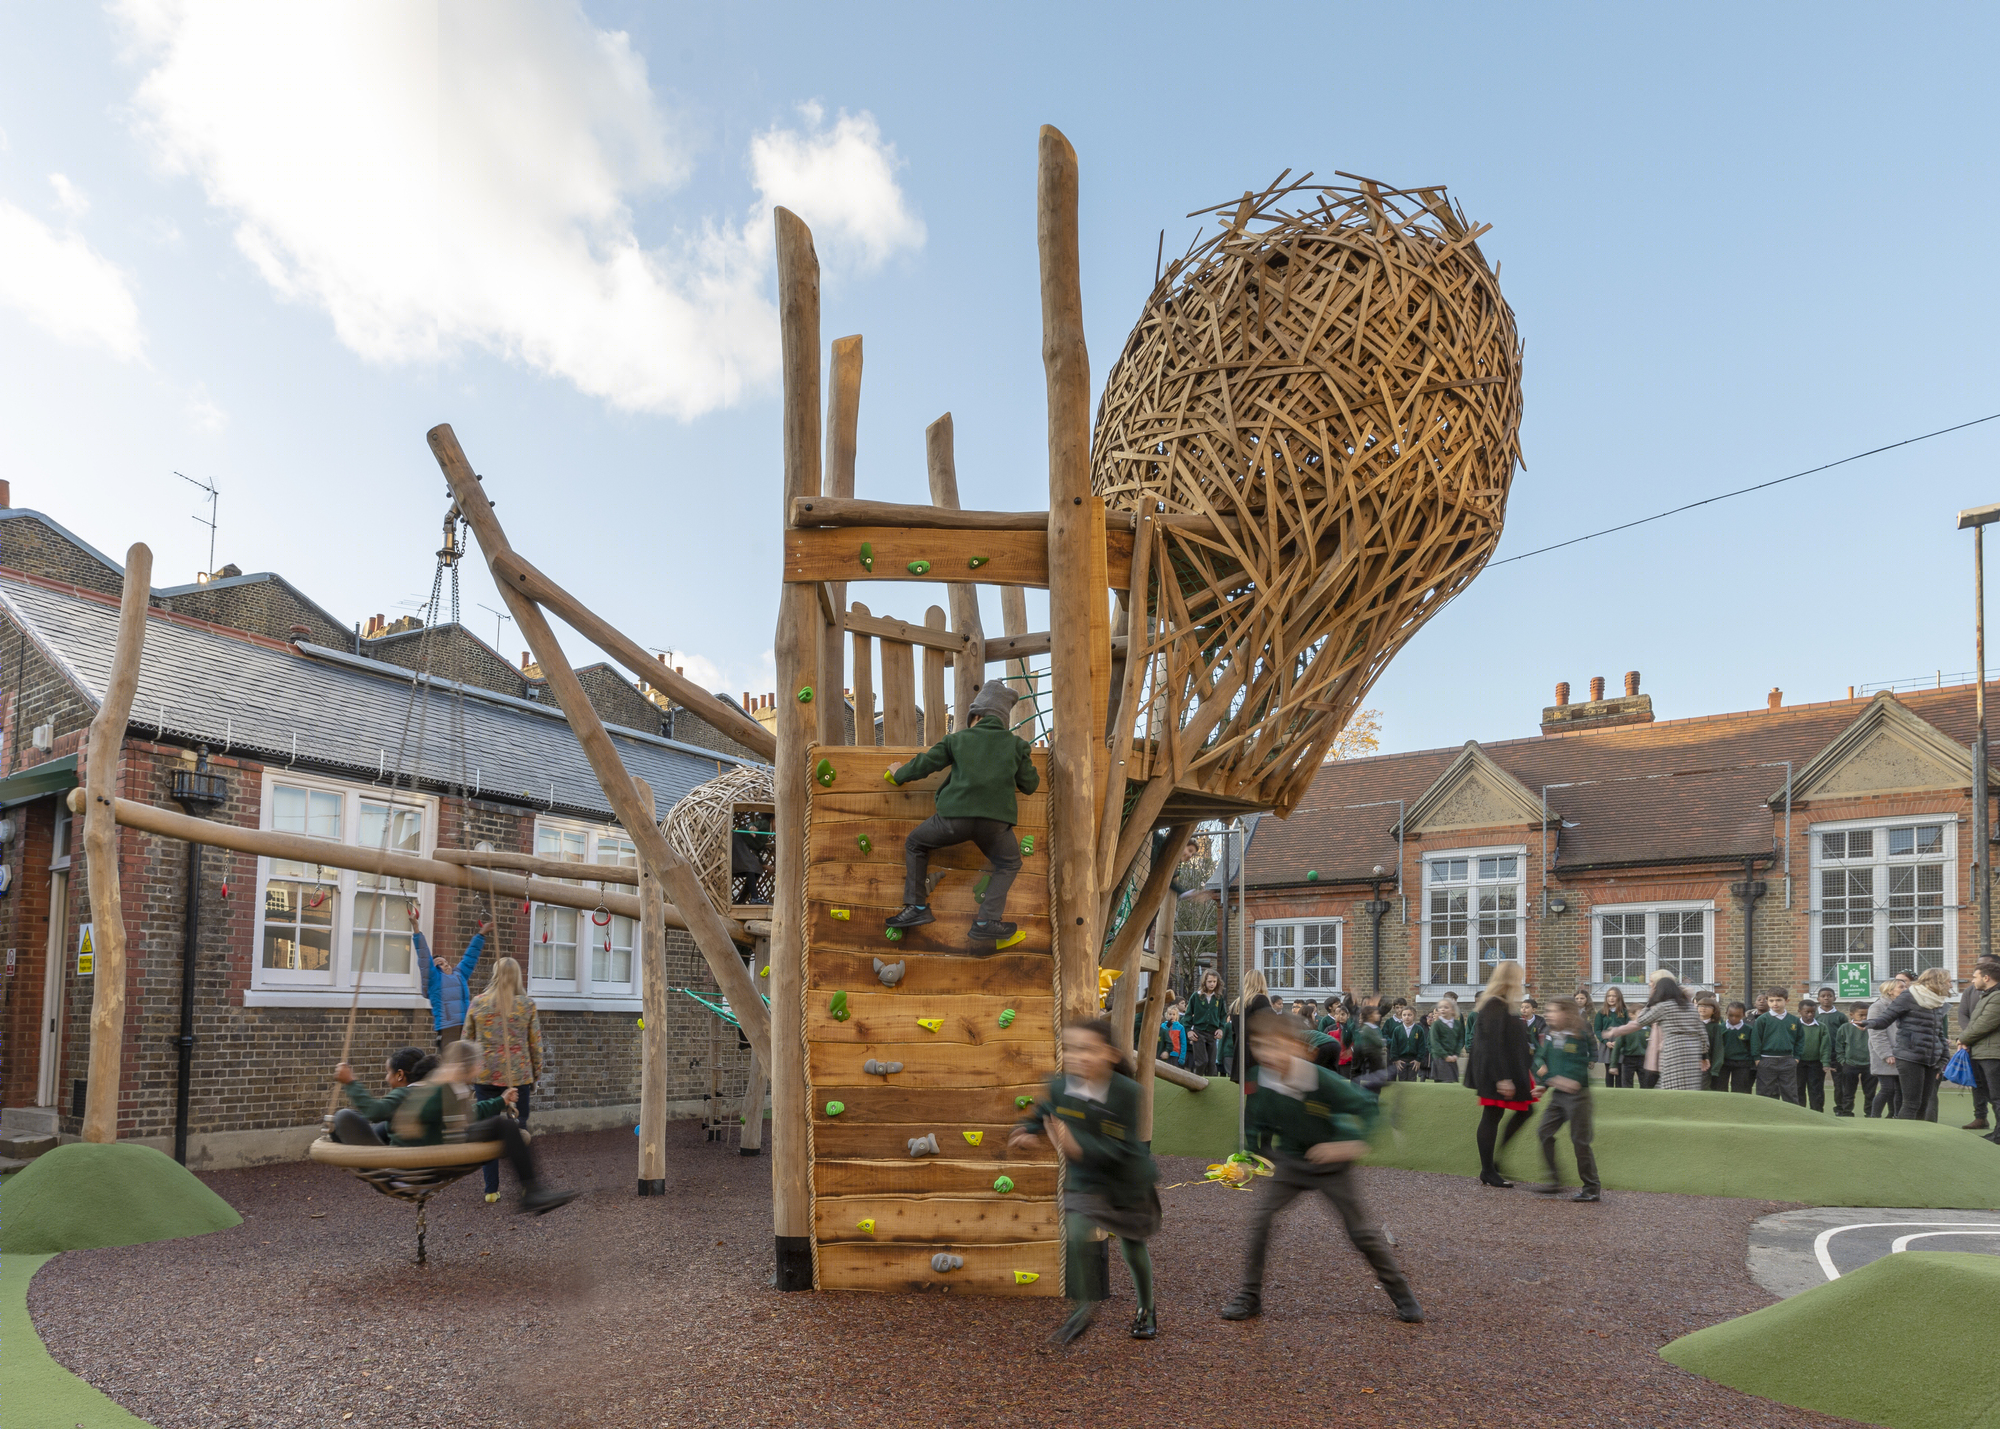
{"x":1558,"y":904}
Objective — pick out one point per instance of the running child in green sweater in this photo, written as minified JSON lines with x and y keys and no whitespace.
{"x":1562,"y":1063}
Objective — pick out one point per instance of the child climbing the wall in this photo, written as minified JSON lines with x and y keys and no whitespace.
{"x":1090,"y":1113}
{"x":1318,"y":1120}
{"x":989,"y":763}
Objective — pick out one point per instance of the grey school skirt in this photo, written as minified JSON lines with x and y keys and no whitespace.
{"x":1140,"y":1222}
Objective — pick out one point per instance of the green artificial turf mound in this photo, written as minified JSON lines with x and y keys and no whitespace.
{"x":85,"y":1194}
{"x":1698,"y":1143}
{"x":34,"y":1388}
{"x":1910,"y":1331}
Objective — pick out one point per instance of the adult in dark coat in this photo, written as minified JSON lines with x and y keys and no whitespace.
{"x":1499,"y":1070}
{"x":1917,"y":1022}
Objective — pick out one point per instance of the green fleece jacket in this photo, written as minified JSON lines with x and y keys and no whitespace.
{"x":1206,"y":1012}
{"x":1978,"y":1035}
{"x":1115,"y":1163}
{"x":1814,"y":1044}
{"x":1334,"y":1110}
{"x":1450,"y":1039}
{"x":988,"y":764}
{"x":382,"y":1108}
{"x":1850,"y":1044}
{"x":432,"y":1113}
{"x":1735,"y":1044}
{"x":1775,"y":1036}
{"x":1565,"y":1054}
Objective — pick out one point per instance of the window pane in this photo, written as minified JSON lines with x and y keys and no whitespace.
{"x":1625,"y":948}
{"x":1319,"y":965}
{"x":611,"y":951}
{"x":1902,"y":841}
{"x":1930,"y":838}
{"x":1860,"y":843}
{"x":323,"y":815}
{"x":405,"y":829}
{"x":288,"y":809}
{"x":382,"y":928}
{"x":298,"y":925}
{"x":553,"y":955}
{"x":1683,"y":946}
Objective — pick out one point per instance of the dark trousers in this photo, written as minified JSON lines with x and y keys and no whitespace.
{"x":1887,"y":1094}
{"x":1735,"y":1076}
{"x":1292,"y":1177}
{"x":351,"y":1128}
{"x":523,"y":1097}
{"x":1986,"y":1078}
{"x":1204,"y":1049}
{"x":1778,"y":1078}
{"x":1632,"y":1072}
{"x":1406,"y":1071}
{"x":1489,"y":1131}
{"x":1573,"y":1109}
{"x":1812,"y":1084}
{"x":1982,"y":1099}
{"x":1845,"y":1080}
{"x":1919,"y":1086}
{"x":993,"y":838}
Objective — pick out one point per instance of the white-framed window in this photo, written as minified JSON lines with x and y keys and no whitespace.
{"x":318,"y":927}
{"x":1631,"y":940}
{"x":1884,"y":892}
{"x":1472,"y":915}
{"x":1300,"y":957}
{"x":576,"y":957}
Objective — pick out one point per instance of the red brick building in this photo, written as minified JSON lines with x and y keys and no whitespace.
{"x":1737,"y":850}
{"x":306,"y":725}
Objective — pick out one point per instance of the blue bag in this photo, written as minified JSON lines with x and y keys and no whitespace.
{"x":1958,"y":1071}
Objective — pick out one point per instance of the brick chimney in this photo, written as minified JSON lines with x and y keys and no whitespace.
{"x":527,"y":659}
{"x":6,"y":495}
{"x":1562,"y":717}
{"x":1776,"y":699}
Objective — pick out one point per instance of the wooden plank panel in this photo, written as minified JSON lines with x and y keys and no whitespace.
{"x":899,"y":701}
{"x":906,"y":1269}
{"x":936,"y":1220}
{"x":884,"y":1141}
{"x":945,"y":1066}
{"x":840,"y":842}
{"x":931,"y":1176}
{"x":863,"y":800}
{"x":879,"y":886}
{"x":1011,"y":558}
{"x":857,"y":933}
{"x":884,"y":1017}
{"x":1011,"y":972}
{"x":862,"y":623}
{"x":886,"y":1105}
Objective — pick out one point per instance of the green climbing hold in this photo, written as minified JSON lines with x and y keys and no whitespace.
{"x":1027,"y":843}
{"x":823,"y":774}
{"x":806,"y":695}
{"x":1023,"y":1103}
{"x":979,"y":888}
{"x":835,"y":1108}
{"x":1007,"y":1018}
{"x":894,"y":935}
{"x":867,"y":556}
{"x":867,"y":844}
{"x":977,"y":561}
{"x":1004,"y":1184}
{"x":837,"y":1009}
{"x":920,"y":568}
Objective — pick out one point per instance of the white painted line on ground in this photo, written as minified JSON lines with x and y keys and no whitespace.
{"x":1832,"y":1271}
{"x":1903,"y":1242}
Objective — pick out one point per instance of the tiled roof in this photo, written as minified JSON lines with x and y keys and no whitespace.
{"x":221,"y":583}
{"x":1672,"y":792}
{"x":331,"y":710}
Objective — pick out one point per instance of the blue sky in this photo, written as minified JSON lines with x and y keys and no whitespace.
{"x":271,"y":246}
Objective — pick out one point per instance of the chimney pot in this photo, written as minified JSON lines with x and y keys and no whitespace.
{"x":1777,"y":698}
{"x":680,"y":670}
{"x":1631,"y":683}
{"x":524,"y":659}
{"x":1562,"y":692}
{"x":6,"y":495}
{"x":1596,"y":688}
{"x":299,"y":632}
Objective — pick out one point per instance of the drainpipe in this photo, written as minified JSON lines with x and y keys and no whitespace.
{"x":1749,"y":890}
{"x":185,"y":1042}
{"x":1375,"y":907}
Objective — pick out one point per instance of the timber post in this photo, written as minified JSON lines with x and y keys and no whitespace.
{"x":653,"y":1039}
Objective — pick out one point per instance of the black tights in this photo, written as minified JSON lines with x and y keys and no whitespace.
{"x":1489,"y":1128}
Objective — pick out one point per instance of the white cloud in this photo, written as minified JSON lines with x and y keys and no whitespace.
{"x":448,"y":175}
{"x":202,"y":413}
{"x":69,"y":198}
{"x":64,"y":286}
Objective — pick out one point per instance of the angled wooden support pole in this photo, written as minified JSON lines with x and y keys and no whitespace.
{"x":750,"y":1141}
{"x":843,"y":419}
{"x":100,"y":851}
{"x":653,"y":1038}
{"x":969,"y":671}
{"x":1123,"y":953}
{"x":797,"y":647}
{"x":1149,"y":1062}
{"x":711,"y":933}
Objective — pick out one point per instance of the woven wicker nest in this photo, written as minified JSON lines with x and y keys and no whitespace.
{"x":1334,"y":382}
{"x":698,"y":826}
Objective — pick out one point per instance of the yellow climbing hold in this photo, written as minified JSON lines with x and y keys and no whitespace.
{"x":841,"y":913}
{"x":764,"y":971}
{"x":1017,"y":936}
{"x":642,"y":1024}
{"x":930,"y":1024}
{"x":866,"y":1227}
{"x":1025,"y":1277}
{"x":890,"y":775}
{"x":973,"y":1138}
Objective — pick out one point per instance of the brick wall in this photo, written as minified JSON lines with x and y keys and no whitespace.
{"x":28,"y":544}
{"x":263,"y":606}
{"x":617,"y":700}
{"x":688,"y":727}
{"x":35,"y":692}
{"x":454,"y":654}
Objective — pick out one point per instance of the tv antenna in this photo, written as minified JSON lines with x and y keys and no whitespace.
{"x":214,"y":509}
{"x":500,"y":617}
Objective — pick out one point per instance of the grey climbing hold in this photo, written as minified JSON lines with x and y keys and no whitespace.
{"x":880,"y":1069}
{"x":925,"y":1145}
{"x":889,"y":974}
{"x":943,"y":1261}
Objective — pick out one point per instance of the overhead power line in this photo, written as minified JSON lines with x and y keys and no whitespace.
{"x":1744,"y":491}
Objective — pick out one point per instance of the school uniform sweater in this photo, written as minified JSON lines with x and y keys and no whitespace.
{"x":1565,"y":1054}
{"x":1334,"y":1109}
{"x":1448,"y":1039}
{"x":988,"y":763}
{"x":1814,"y":1043}
{"x":1773,"y":1036}
{"x":1406,"y":1044}
{"x":1850,"y":1044}
{"x":1115,"y":1164}
{"x":1206,"y":1013}
{"x":1735,"y":1045}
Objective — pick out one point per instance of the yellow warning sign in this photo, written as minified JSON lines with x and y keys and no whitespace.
{"x":86,"y":958}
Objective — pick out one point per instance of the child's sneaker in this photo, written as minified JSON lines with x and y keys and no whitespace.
{"x":914,"y":915}
{"x":541,"y":1202}
{"x":492,"y":1198}
{"x":984,"y":931}
{"x":1247,"y":1305}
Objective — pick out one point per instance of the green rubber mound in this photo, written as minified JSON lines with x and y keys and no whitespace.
{"x":1909,"y":1330}
{"x":84,"y":1195}
{"x":1695,"y":1143}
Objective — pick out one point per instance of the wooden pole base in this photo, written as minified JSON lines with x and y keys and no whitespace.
{"x":652,"y":1188}
{"x":794,"y":1261}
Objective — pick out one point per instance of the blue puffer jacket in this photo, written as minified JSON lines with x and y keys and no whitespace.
{"x":450,"y":992}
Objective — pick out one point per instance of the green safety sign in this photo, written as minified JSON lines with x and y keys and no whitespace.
{"x":1856,"y":981}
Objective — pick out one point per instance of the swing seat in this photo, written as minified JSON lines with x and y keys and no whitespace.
{"x":329,"y":1152}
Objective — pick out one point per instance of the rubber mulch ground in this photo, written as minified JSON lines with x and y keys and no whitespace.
{"x":617,"y":1311}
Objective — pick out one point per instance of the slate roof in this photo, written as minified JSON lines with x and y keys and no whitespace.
{"x":327,"y":709}
{"x":254,"y":578}
{"x":1673,"y":792}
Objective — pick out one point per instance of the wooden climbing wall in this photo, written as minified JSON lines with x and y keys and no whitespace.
{"x":962,"y":1078}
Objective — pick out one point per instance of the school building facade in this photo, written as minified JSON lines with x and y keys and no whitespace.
{"x":1738,"y":851}
{"x":304,"y":722}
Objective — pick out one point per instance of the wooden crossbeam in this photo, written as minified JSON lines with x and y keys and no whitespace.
{"x":860,"y":622}
{"x":1007,"y":558}
{"x":527,"y":863}
{"x":851,"y":511}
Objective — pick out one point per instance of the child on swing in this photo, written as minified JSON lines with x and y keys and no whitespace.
{"x":988,"y":764}
{"x":1090,"y":1113}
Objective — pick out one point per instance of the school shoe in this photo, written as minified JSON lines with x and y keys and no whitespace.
{"x":990,"y":931}
{"x":1247,"y":1305}
{"x":1588,"y":1196}
{"x":1553,"y":1189}
{"x":541,"y":1202}
{"x":1494,"y":1178}
{"x":1407,"y":1308}
{"x":914,"y":915}
{"x":1145,"y":1325}
{"x":1073,"y":1328}
{"x":1979,"y":1125}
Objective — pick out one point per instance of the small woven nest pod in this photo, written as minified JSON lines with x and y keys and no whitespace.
{"x":698,"y":826}
{"x":1332,"y":384}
